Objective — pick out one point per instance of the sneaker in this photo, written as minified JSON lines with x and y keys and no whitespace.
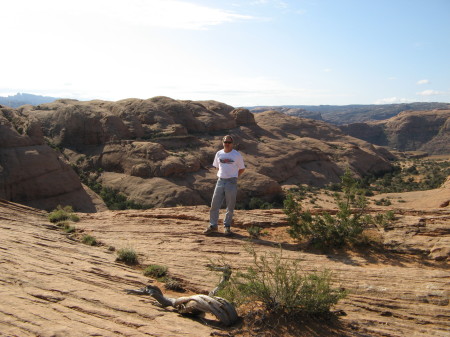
{"x":210,"y":229}
{"x":227,"y":231}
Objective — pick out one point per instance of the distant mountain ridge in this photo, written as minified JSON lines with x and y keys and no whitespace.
{"x":334,"y":114}
{"x":20,"y":99}
{"x":347,"y":114}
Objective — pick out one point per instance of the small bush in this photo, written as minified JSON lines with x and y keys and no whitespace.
{"x":63,"y":214}
{"x":383,"y":202}
{"x":89,"y":240}
{"x":74,"y":218}
{"x":257,"y":203}
{"x":282,"y":287}
{"x":172,"y":284}
{"x":382,"y":220}
{"x":127,"y":255}
{"x":371,"y":237}
{"x":69,"y":229}
{"x":58,"y":216}
{"x":254,"y":231}
{"x":63,"y":224}
{"x":390,"y":215}
{"x":156,"y":271}
{"x":325,"y":230}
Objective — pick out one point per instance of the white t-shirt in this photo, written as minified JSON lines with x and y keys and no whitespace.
{"x":228,"y":164}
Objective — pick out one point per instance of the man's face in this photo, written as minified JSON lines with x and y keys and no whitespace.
{"x":227,"y":143}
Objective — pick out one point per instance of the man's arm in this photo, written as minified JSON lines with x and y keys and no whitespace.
{"x":240,"y":172}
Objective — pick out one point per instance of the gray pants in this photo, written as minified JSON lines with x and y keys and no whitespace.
{"x":225,"y":188}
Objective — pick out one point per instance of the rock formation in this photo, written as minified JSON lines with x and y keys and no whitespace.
{"x":427,"y":131}
{"x":159,"y":151}
{"x":32,"y":173}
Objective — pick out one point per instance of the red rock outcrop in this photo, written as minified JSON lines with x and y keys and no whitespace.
{"x":32,"y":173}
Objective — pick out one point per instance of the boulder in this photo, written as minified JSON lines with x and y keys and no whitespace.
{"x":243,"y":117}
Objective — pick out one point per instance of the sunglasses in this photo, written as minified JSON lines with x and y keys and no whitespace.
{"x":227,"y":142}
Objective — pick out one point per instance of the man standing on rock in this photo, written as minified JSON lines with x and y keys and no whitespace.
{"x":230,"y":165}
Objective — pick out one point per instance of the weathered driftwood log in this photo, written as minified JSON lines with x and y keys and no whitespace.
{"x":196,"y":304}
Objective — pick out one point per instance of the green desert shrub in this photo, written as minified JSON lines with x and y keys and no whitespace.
{"x":257,"y":203}
{"x":156,"y":271}
{"x":383,"y":219}
{"x":255,"y":231}
{"x":390,"y":215}
{"x":282,"y":287}
{"x":113,"y":199}
{"x":173,"y":284}
{"x":326,"y":230}
{"x":127,"y":255}
{"x":63,"y":224}
{"x":68,"y":228}
{"x":89,"y":240}
{"x":383,"y":202}
{"x":62,"y":214}
{"x":422,"y":175}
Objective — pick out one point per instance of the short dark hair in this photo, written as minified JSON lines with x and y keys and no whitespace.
{"x":227,"y":136}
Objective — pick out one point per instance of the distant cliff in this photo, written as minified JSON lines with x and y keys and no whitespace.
{"x":427,"y":131}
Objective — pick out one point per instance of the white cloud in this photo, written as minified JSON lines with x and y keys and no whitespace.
{"x":327,"y":70}
{"x":276,"y":3}
{"x":430,"y":92}
{"x":423,"y":82}
{"x":393,"y":100}
{"x":282,"y":4}
{"x":105,"y":49}
{"x":174,"y":14}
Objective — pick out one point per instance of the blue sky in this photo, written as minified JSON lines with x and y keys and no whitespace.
{"x":243,"y":53}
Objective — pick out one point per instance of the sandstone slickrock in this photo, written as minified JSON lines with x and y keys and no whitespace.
{"x":161,"y":141}
{"x":52,"y":284}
